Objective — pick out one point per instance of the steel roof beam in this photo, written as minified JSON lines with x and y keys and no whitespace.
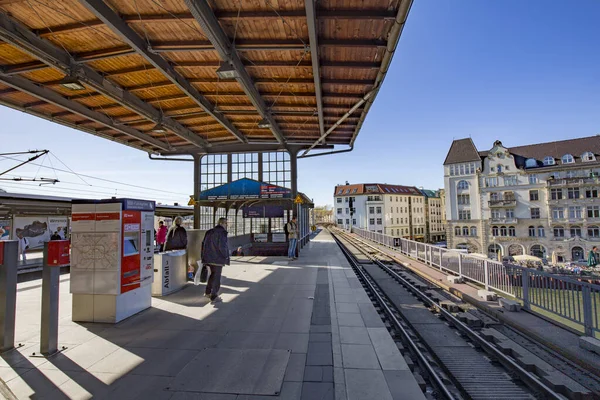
{"x":213,"y":31}
{"x":125,"y":32}
{"x":18,"y":35}
{"x":311,"y":22}
{"x":55,"y":98}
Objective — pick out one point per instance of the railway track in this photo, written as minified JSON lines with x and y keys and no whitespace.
{"x":460,"y":354}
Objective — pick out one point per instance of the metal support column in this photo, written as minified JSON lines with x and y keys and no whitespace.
{"x":50,"y":292}
{"x":197,"y":186}
{"x":8,"y":293}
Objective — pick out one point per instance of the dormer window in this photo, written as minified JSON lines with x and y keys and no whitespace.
{"x":531,"y":163}
{"x":568,"y":159}
{"x":462,"y":185}
{"x":499,"y":168}
{"x":588,"y":156}
{"x":549,"y":161}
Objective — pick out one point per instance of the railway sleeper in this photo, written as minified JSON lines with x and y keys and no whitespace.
{"x":449,"y":306}
{"x":549,"y":375}
{"x":470,"y":320}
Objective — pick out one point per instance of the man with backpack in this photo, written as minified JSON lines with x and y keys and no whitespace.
{"x":215,"y":255}
{"x":291,"y":230}
{"x":23,"y":246}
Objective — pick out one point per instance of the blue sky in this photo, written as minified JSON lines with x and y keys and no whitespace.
{"x":519,"y":71}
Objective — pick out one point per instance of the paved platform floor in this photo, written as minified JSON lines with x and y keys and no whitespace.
{"x":557,"y":338}
{"x":286,"y":330}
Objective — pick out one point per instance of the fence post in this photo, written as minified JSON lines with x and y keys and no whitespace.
{"x":486,"y":277}
{"x":8,"y":293}
{"x":525,"y":286}
{"x":460,"y":264}
{"x":441,"y":252}
{"x":588,"y":321}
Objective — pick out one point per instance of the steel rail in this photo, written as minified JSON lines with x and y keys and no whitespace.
{"x":530,"y":379}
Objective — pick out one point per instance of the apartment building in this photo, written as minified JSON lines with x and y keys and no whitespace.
{"x":391,"y":209}
{"x":435,"y":229}
{"x":536,"y":199}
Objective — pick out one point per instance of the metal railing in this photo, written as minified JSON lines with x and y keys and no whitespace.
{"x":575,"y":303}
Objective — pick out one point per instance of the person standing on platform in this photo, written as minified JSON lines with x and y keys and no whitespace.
{"x":55,"y":236}
{"x":292,"y":231}
{"x":239,"y":252}
{"x":176,"y":237}
{"x":215,"y":255}
{"x":23,"y":246}
{"x":161,"y":235}
{"x":593,"y":257}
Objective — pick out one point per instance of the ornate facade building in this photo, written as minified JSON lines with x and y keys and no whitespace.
{"x":535,"y":199}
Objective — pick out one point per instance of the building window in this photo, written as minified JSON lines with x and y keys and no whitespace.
{"x":549,"y":161}
{"x":464,"y":214}
{"x":556,"y":194}
{"x":534,"y":195}
{"x":371,"y":210}
{"x":462,"y":169}
{"x":503,"y":231}
{"x":347,"y":221}
{"x":339,"y":210}
{"x":510,"y":213}
{"x":575,"y":212}
{"x":378,"y":221}
{"x":465,"y":231}
{"x":494,"y":196}
{"x":462,"y":185}
{"x":591,"y":193}
{"x":391,"y":209}
{"x":558,"y":213}
{"x":397,"y":220}
{"x":530,"y":163}
{"x":495,"y":231}
{"x":378,"y":210}
{"x":531,"y":231}
{"x":533,"y":179}
{"x":575,"y":231}
{"x":588,"y":156}
{"x":371,"y":221}
{"x":559,"y":231}
{"x":464,"y":199}
{"x":511,"y":231}
{"x":353,"y":221}
{"x":491,"y":182}
{"x":495,"y":214}
{"x":567,"y":159}
{"x":594,"y":231}
{"x":541,"y":231}
{"x":339,"y":200}
{"x":473,"y":231}
{"x":347,"y":211}
{"x":593,"y":212}
{"x":472,"y":168}
{"x":340,"y":221}
{"x":510,"y":180}
{"x":535,"y":213}
{"x":346,"y":199}
{"x":573,"y":193}
{"x":570,"y":174}
{"x":498,"y":168}
{"x":452,"y":170}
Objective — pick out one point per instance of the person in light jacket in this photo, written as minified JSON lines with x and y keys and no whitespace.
{"x":215,"y":255}
{"x":292,"y":232}
{"x":23,"y":246}
{"x":176,"y":237}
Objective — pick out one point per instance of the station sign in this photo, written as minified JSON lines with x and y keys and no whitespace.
{"x":263,"y":212}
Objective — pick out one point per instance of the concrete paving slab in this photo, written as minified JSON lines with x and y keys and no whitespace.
{"x":359,"y":356}
{"x":354,"y":335}
{"x":346,"y":319}
{"x":295,"y":368}
{"x":347,"y":308}
{"x":289,"y":391}
{"x":403,"y":386}
{"x":319,"y":353}
{"x":203,"y":396}
{"x":235,"y":371}
{"x":295,"y":342}
{"x":387,"y":352}
{"x":248,"y":340}
{"x":366,"y":384}
{"x":370,"y":317}
{"x":318,"y":391}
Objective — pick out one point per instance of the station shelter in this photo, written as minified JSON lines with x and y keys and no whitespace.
{"x":257,"y":213}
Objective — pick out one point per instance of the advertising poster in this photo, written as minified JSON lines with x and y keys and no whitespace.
{"x":38,"y":230}
{"x":5,"y":229}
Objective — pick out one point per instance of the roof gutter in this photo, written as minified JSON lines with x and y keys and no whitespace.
{"x":328,"y":153}
{"x":169,"y":158}
{"x":393,"y":39}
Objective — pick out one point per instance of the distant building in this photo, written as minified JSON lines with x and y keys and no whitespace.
{"x":435,"y":229}
{"x":535,"y":199}
{"x":391,"y":209}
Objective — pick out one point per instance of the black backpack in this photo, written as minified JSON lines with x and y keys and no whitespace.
{"x":285,"y":228}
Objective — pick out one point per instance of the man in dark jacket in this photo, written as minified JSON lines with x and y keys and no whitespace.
{"x":176,"y":237}
{"x":215,"y":255}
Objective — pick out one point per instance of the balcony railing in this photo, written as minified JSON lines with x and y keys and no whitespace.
{"x":505,"y":220}
{"x":573,"y":181}
{"x":503,"y":203}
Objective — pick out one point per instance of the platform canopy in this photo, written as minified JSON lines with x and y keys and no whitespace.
{"x":199,"y":77}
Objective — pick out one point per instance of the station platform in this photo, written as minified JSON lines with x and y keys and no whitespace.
{"x":561,"y":340}
{"x":294,"y":330}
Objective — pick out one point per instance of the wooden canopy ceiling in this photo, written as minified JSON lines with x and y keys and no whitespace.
{"x":305,"y":72}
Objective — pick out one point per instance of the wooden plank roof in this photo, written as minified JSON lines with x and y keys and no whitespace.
{"x":308,"y":72}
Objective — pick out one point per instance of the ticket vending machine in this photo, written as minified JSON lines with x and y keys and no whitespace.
{"x":112,"y":249}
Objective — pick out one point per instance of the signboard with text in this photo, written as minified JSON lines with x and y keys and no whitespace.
{"x":246,"y":189}
{"x":263,"y":212}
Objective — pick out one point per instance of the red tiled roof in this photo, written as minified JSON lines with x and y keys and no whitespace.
{"x":375,"y":188}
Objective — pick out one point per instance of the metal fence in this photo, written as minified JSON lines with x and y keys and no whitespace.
{"x":574,"y":302}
